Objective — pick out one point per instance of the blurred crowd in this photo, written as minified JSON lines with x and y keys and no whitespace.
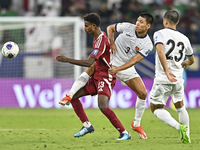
{"x":111,"y":11}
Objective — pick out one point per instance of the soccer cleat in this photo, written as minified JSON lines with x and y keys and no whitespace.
{"x":139,"y":130}
{"x":124,"y":136}
{"x":65,"y":101}
{"x":84,"y":131}
{"x":183,"y":134}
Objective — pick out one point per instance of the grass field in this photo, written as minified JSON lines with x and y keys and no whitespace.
{"x":54,"y":129}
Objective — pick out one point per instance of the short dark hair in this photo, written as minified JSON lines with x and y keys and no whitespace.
{"x":148,"y":17}
{"x":172,"y":16}
{"x":93,"y":18}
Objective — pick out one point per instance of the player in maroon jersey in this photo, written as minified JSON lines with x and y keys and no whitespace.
{"x":100,"y":83}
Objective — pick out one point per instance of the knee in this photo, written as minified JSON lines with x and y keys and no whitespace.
{"x":102,"y":108}
{"x":142,"y":95}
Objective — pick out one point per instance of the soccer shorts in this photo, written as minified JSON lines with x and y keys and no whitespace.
{"x":160,"y":93}
{"x":101,"y":87}
{"x":126,"y":74}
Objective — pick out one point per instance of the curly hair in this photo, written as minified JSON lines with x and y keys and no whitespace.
{"x":93,"y":18}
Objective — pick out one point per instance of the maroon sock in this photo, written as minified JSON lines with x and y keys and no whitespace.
{"x":113,"y":119}
{"x":78,"y":108}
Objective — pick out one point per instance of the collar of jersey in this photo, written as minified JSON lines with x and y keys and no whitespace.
{"x":99,"y":35}
{"x":171,"y":29}
{"x":139,"y":36}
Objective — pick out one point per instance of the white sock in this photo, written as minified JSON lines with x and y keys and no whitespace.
{"x":184,"y":118}
{"x":139,"y":110}
{"x":126,"y":132}
{"x":79,"y":83}
{"x":166,"y":117}
{"x":87,"y":124}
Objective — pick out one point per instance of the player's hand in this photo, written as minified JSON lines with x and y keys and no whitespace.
{"x":112,"y":71}
{"x":113,"y":48}
{"x":184,"y":64}
{"x":171,"y":76}
{"x":61,"y":58}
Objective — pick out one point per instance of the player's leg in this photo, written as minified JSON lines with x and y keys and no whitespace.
{"x":103,"y":102}
{"x":137,"y":85}
{"x":78,"y":84}
{"x":79,"y":110}
{"x":179,"y":105}
{"x":158,"y":98}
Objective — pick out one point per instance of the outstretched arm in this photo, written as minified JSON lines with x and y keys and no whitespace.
{"x":163,"y":60}
{"x":85,"y":63}
{"x":137,"y":58}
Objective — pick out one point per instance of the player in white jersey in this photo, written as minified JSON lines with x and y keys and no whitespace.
{"x":130,"y":47}
{"x":171,"y":47}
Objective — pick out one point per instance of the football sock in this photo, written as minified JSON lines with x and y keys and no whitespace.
{"x":87,"y":124}
{"x":125,"y":132}
{"x":166,"y":117}
{"x":139,"y":110}
{"x":79,"y":83}
{"x":113,"y":119}
{"x":78,"y":108}
{"x":184,"y":118}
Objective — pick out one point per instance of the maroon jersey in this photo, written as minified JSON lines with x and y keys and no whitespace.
{"x":102,"y":53}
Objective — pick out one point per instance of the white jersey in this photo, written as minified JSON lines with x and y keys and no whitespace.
{"x":175,"y":46}
{"x":128,"y":44}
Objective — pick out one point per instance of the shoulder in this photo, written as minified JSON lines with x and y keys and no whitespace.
{"x":124,"y":26}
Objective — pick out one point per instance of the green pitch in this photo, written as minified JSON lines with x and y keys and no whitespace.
{"x":54,"y":129}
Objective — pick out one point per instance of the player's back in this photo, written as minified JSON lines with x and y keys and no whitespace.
{"x":175,"y":46}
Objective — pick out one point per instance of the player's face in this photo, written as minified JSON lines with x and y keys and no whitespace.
{"x":89,"y":27}
{"x":141,"y":25}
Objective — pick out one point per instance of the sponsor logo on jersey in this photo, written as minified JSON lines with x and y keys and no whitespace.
{"x":95,"y":52}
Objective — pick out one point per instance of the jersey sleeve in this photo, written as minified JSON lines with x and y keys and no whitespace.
{"x":98,"y":48}
{"x":121,"y":27}
{"x":189,"y":49}
{"x":158,"y":38}
{"x":146,"y":50}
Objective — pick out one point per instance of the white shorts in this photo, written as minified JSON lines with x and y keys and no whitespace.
{"x":160,"y":93}
{"x":126,"y":74}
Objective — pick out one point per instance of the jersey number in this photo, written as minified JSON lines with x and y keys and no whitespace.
{"x":179,"y":44}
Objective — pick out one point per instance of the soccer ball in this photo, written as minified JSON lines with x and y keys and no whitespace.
{"x":10,"y":50}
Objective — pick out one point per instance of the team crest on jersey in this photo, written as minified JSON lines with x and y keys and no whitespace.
{"x":95,"y":52}
{"x":137,"y":48}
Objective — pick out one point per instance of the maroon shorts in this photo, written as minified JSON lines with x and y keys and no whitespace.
{"x":101,"y":87}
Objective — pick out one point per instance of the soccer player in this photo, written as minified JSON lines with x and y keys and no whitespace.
{"x":130,"y":47}
{"x":100,"y":83}
{"x":171,"y":47}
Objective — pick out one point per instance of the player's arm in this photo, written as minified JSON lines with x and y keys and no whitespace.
{"x":110,"y":32}
{"x":163,"y":61}
{"x":85,"y":63}
{"x":188,"y":61}
{"x":137,"y":58}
